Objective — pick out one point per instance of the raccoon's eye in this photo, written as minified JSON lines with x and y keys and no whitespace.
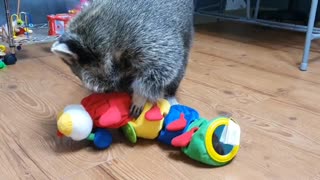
{"x":66,"y":55}
{"x":68,"y":61}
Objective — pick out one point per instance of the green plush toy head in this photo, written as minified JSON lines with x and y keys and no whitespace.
{"x":20,"y":23}
{"x":204,"y":144}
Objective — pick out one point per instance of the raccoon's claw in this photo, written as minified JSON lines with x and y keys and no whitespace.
{"x":137,"y":106}
{"x":135,"y":111}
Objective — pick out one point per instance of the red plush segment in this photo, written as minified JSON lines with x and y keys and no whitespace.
{"x":184,"y":139}
{"x":98,"y":106}
{"x":154,"y":114}
{"x":178,"y":124}
{"x":111,"y":117}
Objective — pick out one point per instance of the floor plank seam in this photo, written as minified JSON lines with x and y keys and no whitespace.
{"x":33,"y":161}
{"x":90,"y":167}
{"x":314,"y":112}
{"x":240,"y":85}
{"x":259,"y":68}
{"x":255,"y":42}
{"x":104,"y":170}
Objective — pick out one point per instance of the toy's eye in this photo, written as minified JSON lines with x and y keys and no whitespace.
{"x":220,"y":147}
{"x":217,"y":145}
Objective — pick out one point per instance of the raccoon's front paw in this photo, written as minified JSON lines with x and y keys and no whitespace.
{"x":137,"y":105}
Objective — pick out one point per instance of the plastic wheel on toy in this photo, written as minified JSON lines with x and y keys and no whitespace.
{"x":130,"y":133}
{"x":19,"y":48}
{"x":10,"y":59}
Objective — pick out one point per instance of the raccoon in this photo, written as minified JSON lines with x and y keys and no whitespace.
{"x":135,"y":46}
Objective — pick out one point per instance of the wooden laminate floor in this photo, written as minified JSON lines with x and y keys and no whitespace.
{"x":245,"y":71}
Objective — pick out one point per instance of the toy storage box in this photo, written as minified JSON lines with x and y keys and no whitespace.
{"x":58,"y":23}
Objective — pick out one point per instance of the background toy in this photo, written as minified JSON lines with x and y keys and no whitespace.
{"x":22,"y":23}
{"x":58,"y":23}
{"x":11,"y":58}
{"x":2,"y":64}
{"x":2,"y":55}
{"x":149,"y":123}
{"x":21,"y":27}
{"x":3,"y":49}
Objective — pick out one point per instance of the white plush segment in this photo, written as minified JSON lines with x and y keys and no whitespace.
{"x":82,"y":123}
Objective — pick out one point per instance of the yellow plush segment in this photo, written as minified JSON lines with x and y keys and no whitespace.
{"x":59,"y":115}
{"x":65,"y":124}
{"x":150,"y":129}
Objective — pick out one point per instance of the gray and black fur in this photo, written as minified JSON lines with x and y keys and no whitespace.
{"x":136,"y":46}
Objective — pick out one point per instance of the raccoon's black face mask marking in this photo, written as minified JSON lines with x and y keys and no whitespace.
{"x":70,"y":58}
{"x":83,"y":62}
{"x":69,"y":47}
{"x":74,"y":54}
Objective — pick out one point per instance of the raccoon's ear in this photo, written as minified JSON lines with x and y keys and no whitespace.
{"x":63,"y":51}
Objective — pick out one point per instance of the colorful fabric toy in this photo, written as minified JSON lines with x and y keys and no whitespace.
{"x":215,"y":142}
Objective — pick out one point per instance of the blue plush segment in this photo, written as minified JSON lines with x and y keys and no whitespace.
{"x":174,"y":114}
{"x":102,"y":139}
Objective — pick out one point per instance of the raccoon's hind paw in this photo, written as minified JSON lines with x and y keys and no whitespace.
{"x":137,"y":105}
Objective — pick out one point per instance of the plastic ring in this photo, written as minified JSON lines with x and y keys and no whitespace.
{"x":208,"y":142}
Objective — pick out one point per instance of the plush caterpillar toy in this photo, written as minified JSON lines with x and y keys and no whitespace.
{"x":214,"y":142}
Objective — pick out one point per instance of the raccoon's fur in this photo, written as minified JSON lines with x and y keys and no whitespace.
{"x":136,"y":46}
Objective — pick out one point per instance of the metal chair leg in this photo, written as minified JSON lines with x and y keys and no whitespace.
{"x":309,"y":35}
{"x":11,"y":58}
{"x":248,"y":9}
{"x":256,"y":11}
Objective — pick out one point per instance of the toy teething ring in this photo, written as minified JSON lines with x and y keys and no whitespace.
{"x":209,"y":146}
